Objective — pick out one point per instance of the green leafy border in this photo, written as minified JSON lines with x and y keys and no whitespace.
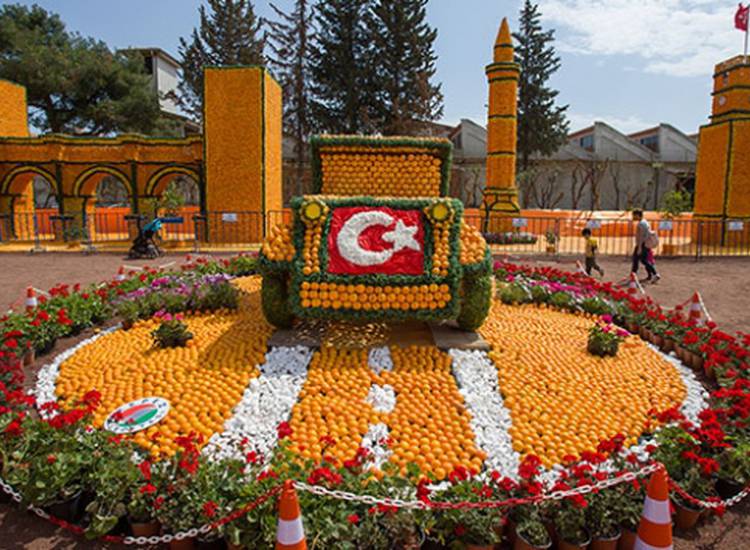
{"x":442,"y":148}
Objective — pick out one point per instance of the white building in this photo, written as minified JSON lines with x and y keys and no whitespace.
{"x":165,"y":74}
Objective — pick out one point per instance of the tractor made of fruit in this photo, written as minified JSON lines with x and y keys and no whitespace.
{"x":378,"y":240}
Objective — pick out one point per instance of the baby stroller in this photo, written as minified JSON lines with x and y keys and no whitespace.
{"x":144,"y":246}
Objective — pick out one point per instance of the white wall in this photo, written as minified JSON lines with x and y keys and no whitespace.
{"x":167,"y":80}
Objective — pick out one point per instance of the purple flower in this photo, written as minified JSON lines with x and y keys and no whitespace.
{"x":607,"y":318}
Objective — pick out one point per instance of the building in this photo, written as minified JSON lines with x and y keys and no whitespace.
{"x":598,"y":168}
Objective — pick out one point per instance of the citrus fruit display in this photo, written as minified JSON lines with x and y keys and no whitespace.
{"x":564,"y":400}
{"x":202,"y":382}
{"x":532,"y":394}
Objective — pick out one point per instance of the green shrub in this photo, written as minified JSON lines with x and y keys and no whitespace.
{"x":515,"y":293}
{"x":172,"y":332}
{"x":561,"y":300}
{"x":274,"y":294}
{"x":475,"y":302}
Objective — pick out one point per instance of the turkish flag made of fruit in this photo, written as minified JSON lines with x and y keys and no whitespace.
{"x":364,"y":240}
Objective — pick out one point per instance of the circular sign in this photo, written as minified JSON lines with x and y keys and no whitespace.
{"x":137,"y":415}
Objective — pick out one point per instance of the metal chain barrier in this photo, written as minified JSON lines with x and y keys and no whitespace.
{"x":384,"y":501}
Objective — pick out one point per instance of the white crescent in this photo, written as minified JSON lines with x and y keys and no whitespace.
{"x":347,"y":240}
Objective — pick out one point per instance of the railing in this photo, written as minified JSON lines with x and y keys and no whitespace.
{"x":533,"y":235}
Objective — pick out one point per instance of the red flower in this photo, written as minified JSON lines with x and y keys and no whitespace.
{"x":11,"y":343}
{"x":158,"y":502}
{"x":353,"y":519}
{"x":51,"y":459}
{"x":459,"y":530}
{"x":145,"y":468}
{"x":210,"y":508}
{"x":148,"y":489}
{"x":284,"y":430}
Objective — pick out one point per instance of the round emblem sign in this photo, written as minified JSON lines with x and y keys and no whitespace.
{"x":137,"y":415}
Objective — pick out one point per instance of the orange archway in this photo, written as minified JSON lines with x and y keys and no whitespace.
{"x":21,"y":219}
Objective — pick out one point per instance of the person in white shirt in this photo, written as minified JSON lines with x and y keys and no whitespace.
{"x":642,"y":252}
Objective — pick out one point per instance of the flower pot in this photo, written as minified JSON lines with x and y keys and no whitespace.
{"x":696,"y":361}
{"x":667,"y":345}
{"x":521,"y":544}
{"x":551,"y":249}
{"x":70,"y":510}
{"x":632,"y":328}
{"x":127,"y":324}
{"x":231,"y":546}
{"x":627,"y":540}
{"x":564,"y":545}
{"x":28,"y":357}
{"x":184,"y":544}
{"x":657,"y":340}
{"x":679,"y":351}
{"x":480,"y":547}
{"x":608,"y":543}
{"x":685,"y":517}
{"x":726,"y":488}
{"x":510,"y":531}
{"x":150,"y":529}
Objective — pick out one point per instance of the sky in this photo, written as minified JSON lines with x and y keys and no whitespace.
{"x":630,"y":63}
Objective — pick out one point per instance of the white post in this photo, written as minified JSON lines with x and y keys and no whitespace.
{"x":747,"y":31}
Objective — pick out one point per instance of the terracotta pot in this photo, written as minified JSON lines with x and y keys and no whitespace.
{"x":679,"y":352}
{"x":605,"y":543}
{"x":70,"y":510}
{"x":510,"y":531}
{"x":521,"y":544}
{"x":632,"y":328}
{"x":697,"y":361}
{"x":627,"y":540}
{"x":644,"y":333}
{"x":657,"y":340}
{"x":127,"y":324}
{"x":685,"y":518}
{"x":150,"y":529}
{"x":231,"y":546}
{"x":564,"y":545}
{"x":667,"y":345}
{"x":727,"y":488}
{"x":28,"y":357}
{"x":184,"y":544}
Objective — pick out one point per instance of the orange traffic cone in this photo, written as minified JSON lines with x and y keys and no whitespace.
{"x":31,"y":301}
{"x":579,"y":267}
{"x":120,"y":274}
{"x":655,"y":530}
{"x":696,"y":307}
{"x":635,"y":284}
{"x":290,"y":534}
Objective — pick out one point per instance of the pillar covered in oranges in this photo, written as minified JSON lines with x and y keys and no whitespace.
{"x":19,"y":197}
{"x":242,"y":134}
{"x":500,"y":194}
{"x":723,"y":173}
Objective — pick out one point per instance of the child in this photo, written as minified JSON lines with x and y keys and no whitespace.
{"x":591,"y":248}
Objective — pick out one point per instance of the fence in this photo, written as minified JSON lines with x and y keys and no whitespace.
{"x":532,"y":235}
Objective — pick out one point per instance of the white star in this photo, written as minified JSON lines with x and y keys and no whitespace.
{"x":402,"y":237}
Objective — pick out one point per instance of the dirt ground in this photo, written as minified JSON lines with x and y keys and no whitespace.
{"x":724,"y":285}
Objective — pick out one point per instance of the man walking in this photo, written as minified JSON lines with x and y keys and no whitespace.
{"x":645,"y":242}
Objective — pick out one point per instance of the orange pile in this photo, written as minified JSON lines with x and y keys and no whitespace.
{"x":396,"y":174}
{"x":278,"y":246}
{"x":311,"y":250}
{"x":473,"y":245}
{"x":441,"y":255}
{"x":364,"y":297}
{"x":564,"y":400}
{"x":203,"y":382}
{"x":428,"y":426}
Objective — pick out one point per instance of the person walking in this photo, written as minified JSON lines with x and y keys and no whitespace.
{"x":645,"y":243}
{"x":592,"y":247}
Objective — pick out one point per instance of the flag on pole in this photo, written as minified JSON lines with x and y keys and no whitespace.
{"x":741,"y":17}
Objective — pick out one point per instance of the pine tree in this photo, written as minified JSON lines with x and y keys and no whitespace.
{"x":289,"y":40}
{"x":229,"y":34}
{"x":542,"y":126}
{"x":404,"y":48}
{"x":342,"y":67}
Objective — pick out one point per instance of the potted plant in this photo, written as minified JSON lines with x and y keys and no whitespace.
{"x":605,"y":338}
{"x":570,"y":523}
{"x":602,"y":519}
{"x":551,"y":239}
{"x":734,"y":468}
{"x":531,"y":533}
{"x":129,"y":311}
{"x":172,"y":332}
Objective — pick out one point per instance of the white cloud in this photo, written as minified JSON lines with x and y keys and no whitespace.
{"x":626,"y":125}
{"x":674,"y":37}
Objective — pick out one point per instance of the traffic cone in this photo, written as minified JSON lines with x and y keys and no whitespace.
{"x":635,"y":284}
{"x":290,"y":534}
{"x":579,"y":267}
{"x":696,"y":308}
{"x":655,"y":529}
{"x":120,"y":274}
{"x":31,"y":301}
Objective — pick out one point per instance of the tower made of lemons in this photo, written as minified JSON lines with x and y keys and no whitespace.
{"x":500,"y":193}
{"x":722,"y":192}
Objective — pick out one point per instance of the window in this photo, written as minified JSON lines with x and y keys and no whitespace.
{"x":587,"y":142}
{"x":651,"y":142}
{"x":149,"y":64}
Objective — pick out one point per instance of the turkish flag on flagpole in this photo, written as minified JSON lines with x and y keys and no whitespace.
{"x":741,"y":21}
{"x":741,"y":17}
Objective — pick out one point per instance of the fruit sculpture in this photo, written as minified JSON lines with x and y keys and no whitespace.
{"x":378,"y":241}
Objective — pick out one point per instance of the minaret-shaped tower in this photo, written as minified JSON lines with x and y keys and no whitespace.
{"x":500,"y":194}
